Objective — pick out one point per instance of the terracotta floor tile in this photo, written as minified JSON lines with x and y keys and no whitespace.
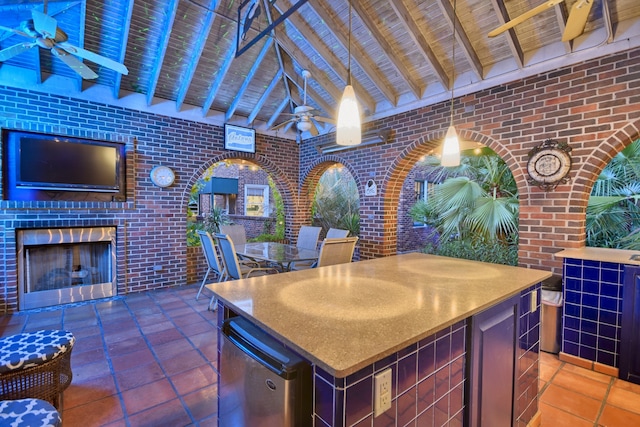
{"x":547,"y":371}
{"x":127,"y":346}
{"x":554,"y":417}
{"x":170,"y":413}
{"x":194,"y":379}
{"x":140,"y":375}
{"x":587,"y":373}
{"x":626,"y":385}
{"x":203,"y":403}
{"x":581,"y":384}
{"x":147,"y":396}
{"x":172,"y":349}
{"x":616,"y":417}
{"x":131,"y":360}
{"x":94,"y":414}
{"x":624,"y":399}
{"x":184,"y":361}
{"x":575,"y":403}
{"x":83,"y":392}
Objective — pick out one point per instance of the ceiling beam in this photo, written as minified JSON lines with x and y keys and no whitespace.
{"x":170,"y":16}
{"x":462,"y":38}
{"x":263,"y":98}
{"x":421,"y":43}
{"x":561,"y":16}
{"x":387,"y":49}
{"x":124,"y":38}
{"x":512,"y":40}
{"x":357,"y":53}
{"x":277,"y":113}
{"x":245,"y":84}
{"x":198,"y":48}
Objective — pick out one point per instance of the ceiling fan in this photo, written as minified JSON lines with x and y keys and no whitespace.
{"x":44,"y":31}
{"x":575,"y":23}
{"x":303,"y":115}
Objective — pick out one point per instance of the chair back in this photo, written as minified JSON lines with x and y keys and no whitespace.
{"x":235,"y":232}
{"x":209,"y":249}
{"x":336,"y":251}
{"x":308,"y":237}
{"x":229,"y":257}
{"x":335,"y":233}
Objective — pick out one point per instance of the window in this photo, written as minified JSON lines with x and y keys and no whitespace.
{"x":422,"y":190}
{"x":256,"y":200}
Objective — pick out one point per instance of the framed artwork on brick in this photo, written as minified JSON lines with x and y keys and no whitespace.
{"x":238,"y":138}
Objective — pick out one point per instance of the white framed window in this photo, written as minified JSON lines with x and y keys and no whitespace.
{"x":256,"y":200}
{"x":423,"y":190}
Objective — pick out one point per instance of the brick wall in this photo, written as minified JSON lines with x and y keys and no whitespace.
{"x":151,"y":224}
{"x":594,"y":106}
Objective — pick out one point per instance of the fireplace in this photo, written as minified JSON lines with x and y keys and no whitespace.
{"x":64,"y":265}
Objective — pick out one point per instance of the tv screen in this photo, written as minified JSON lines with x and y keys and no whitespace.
{"x":38,"y":163}
{"x":65,"y":165}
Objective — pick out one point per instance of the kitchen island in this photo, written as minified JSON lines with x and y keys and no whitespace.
{"x":413,"y":314}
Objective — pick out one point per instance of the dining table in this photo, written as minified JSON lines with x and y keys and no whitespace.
{"x":281,"y":254}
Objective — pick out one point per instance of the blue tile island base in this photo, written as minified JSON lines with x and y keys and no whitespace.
{"x":431,"y":371}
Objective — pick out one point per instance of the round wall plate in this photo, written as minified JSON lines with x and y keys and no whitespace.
{"x":549,"y":164}
{"x":162,"y":176}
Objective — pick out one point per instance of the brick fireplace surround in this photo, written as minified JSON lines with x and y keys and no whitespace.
{"x":593,"y":106}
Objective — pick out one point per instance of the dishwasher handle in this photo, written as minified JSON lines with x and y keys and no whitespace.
{"x":261,"y":347}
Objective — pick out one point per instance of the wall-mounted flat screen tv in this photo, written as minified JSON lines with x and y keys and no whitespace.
{"x":49,"y":162}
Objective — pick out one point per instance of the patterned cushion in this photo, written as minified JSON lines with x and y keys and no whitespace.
{"x":28,"y":413}
{"x":29,"y":349}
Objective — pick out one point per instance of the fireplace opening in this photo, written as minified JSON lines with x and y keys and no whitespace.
{"x":63,"y":265}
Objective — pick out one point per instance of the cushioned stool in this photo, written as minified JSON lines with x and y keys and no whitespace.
{"x":36,"y":365}
{"x":28,"y":413}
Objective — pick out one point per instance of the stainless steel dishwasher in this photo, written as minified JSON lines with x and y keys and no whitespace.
{"x":262,"y":383}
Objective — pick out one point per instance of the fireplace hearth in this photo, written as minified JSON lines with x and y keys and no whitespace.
{"x":64,"y":265}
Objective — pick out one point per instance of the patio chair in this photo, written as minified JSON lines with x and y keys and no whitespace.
{"x":213,"y":263}
{"x":335,"y":233}
{"x":307,"y":239}
{"x":232,"y":265}
{"x":236,"y":232}
{"x":336,"y":251}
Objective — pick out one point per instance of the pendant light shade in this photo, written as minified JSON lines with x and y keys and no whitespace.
{"x":348,"y":131}
{"x":450,"y":149}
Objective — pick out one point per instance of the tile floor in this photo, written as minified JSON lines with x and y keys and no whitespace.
{"x":149,"y":359}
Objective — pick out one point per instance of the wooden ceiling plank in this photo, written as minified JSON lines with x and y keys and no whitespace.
{"x":561,"y":16}
{"x":266,"y":47}
{"x":512,"y":40}
{"x":170,"y":14}
{"x":387,"y":49}
{"x":219,"y":78}
{"x":358,"y":55}
{"x":462,"y":38}
{"x":124,"y":38}
{"x":285,"y":102}
{"x":263,"y":98}
{"x":201,"y":41}
{"x":421,"y":43}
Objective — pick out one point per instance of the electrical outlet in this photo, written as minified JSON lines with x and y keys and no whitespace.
{"x":382,"y":393}
{"x":534,"y":301}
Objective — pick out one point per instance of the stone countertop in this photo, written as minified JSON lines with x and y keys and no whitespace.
{"x":619,"y":256}
{"x":345,"y":317}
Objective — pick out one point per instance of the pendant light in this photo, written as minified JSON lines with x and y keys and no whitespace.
{"x":348,"y":130}
{"x":451,"y":147}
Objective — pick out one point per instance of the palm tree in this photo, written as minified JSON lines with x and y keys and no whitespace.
{"x":613,"y":211}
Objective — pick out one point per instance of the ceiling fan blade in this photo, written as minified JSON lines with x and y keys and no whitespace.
{"x":278,"y":126}
{"x":313,"y":130}
{"x":521,"y":18}
{"x":578,"y":17}
{"x":44,"y":24}
{"x":14,"y":50}
{"x":324,"y":120}
{"x":15,"y":31}
{"x":94,"y":57}
{"x":74,"y":64}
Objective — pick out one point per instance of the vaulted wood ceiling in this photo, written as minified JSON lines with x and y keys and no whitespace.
{"x":181,"y":54}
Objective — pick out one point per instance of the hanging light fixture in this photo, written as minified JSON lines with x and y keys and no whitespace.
{"x":348,"y":130}
{"x":451,"y":147}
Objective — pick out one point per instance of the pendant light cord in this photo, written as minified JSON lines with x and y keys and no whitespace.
{"x":453,"y":60}
{"x":349,"y":49}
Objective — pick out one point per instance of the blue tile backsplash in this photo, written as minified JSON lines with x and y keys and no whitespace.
{"x":592,"y":310}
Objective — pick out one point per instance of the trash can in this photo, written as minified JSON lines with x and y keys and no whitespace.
{"x":551,"y":318}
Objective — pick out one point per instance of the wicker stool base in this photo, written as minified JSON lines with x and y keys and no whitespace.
{"x":46,"y":381}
